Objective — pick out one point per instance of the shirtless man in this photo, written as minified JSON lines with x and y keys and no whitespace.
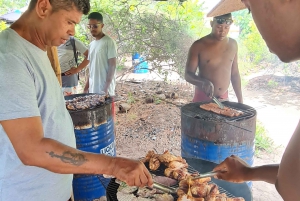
{"x":216,"y":57}
{"x":270,"y":16}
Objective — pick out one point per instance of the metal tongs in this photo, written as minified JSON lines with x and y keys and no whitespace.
{"x":218,"y":102}
{"x":164,"y":188}
{"x":207,"y":174}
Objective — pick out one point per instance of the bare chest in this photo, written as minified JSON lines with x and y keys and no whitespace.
{"x":214,"y":58}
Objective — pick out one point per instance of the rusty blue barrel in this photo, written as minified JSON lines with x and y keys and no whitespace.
{"x":212,"y":137}
{"x":94,"y":132}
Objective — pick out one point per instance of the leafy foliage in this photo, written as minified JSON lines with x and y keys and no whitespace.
{"x":253,"y":48}
{"x":161,"y":31}
{"x":2,"y":26}
{"x":243,"y":19}
{"x":8,"y":5}
{"x":262,"y":141}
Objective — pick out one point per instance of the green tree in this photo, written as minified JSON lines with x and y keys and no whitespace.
{"x":161,"y":31}
{"x":8,"y":5}
{"x":253,"y":48}
{"x":243,"y":19}
{"x":257,"y":48}
{"x":2,"y":26}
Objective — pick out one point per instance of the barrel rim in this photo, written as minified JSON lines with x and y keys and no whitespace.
{"x":109,"y":100}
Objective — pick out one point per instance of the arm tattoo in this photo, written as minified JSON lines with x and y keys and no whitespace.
{"x":69,"y":157}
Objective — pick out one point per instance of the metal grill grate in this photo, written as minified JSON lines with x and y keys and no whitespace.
{"x":113,"y":186}
{"x":194,"y":110}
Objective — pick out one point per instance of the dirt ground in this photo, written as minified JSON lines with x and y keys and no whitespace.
{"x":148,"y":126}
{"x":156,"y":125}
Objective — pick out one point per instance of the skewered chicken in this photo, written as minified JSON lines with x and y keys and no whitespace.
{"x":190,"y":189}
{"x":225,"y":111}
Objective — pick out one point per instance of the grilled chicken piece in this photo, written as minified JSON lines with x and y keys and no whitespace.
{"x":182,"y":191}
{"x":214,"y":189}
{"x":149,"y":155}
{"x":238,"y":113}
{"x":169,"y":172}
{"x":180,"y":174}
{"x":177,"y":165}
{"x":167,"y":157}
{"x":200,"y":190}
{"x":206,"y":107}
{"x":225,"y":111}
{"x":184,"y":184}
{"x":154,"y":163}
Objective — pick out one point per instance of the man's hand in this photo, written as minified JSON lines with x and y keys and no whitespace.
{"x":133,"y":172}
{"x":208,"y":88}
{"x":86,"y":87}
{"x":85,"y":90}
{"x":233,"y":169}
{"x":72,"y":71}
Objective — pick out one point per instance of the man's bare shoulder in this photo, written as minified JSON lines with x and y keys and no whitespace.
{"x":201,"y":42}
{"x":233,"y":44}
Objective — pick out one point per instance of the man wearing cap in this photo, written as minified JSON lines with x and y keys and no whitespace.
{"x":216,"y":57}
{"x":270,"y":17}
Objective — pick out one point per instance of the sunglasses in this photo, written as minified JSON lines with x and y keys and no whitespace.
{"x":222,"y":21}
{"x":93,"y":26}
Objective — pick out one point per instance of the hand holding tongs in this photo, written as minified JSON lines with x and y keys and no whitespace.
{"x":218,"y":102}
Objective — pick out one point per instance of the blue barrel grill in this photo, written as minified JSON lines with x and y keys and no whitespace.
{"x":214,"y":139}
{"x":94,"y":132}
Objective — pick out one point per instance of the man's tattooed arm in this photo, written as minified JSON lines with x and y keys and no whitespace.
{"x":69,"y":157}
